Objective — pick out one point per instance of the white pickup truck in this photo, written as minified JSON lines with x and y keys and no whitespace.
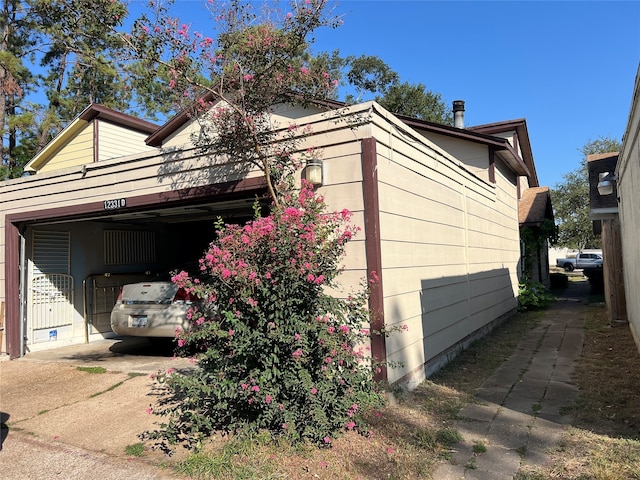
{"x":581,"y":261}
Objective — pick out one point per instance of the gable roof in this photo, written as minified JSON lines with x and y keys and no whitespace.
{"x":520,"y":127}
{"x":89,"y":114}
{"x":535,"y":207}
{"x":502,"y":147}
{"x":479,"y":134}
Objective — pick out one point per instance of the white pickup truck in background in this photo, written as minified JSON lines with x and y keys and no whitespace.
{"x":581,"y":261}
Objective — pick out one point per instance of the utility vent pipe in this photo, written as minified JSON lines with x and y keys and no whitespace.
{"x":458,"y":113}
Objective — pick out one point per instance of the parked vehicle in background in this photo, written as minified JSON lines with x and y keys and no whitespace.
{"x":581,"y":261}
{"x":154,"y":308}
{"x":151,"y":309}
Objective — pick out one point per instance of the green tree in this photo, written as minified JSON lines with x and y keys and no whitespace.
{"x":370,"y":74}
{"x":16,"y":82}
{"x":414,"y":100}
{"x":571,"y":199}
{"x":231,"y":83}
{"x":57,"y":56}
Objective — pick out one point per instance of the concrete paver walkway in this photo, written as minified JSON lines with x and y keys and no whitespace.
{"x":518,"y":416}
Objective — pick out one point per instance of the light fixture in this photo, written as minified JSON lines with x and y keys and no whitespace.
{"x":313,"y":172}
{"x":606,"y":181}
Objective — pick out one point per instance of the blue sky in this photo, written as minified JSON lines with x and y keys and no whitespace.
{"x":567,"y":67}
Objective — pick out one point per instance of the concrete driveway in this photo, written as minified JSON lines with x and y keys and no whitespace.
{"x":59,"y":421}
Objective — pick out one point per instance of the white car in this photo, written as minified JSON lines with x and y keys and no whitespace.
{"x":151,"y":309}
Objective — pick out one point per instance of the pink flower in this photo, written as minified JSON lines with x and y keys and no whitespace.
{"x":255,"y":388}
{"x":200,"y":321}
{"x":244,"y":386}
{"x":231,"y":332}
{"x":314,"y":391}
{"x":327,"y":440}
{"x":284,"y":426}
{"x":170,"y":371}
{"x":149,"y":410}
{"x":389,"y":450}
{"x":181,"y":342}
{"x":281,"y":407}
{"x":323,"y":464}
{"x":297,"y":353}
{"x":344,"y":329}
{"x":297,"y":336}
{"x":351,"y":425}
{"x":268,"y":399}
{"x":328,"y":360}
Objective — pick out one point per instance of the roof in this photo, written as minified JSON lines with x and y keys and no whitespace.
{"x":520,"y":127}
{"x":478,"y":134}
{"x":92,"y":112}
{"x":535,"y":207}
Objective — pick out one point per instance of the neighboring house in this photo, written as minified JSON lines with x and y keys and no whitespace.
{"x":603,"y":202}
{"x":439,"y":209}
{"x":627,"y":180}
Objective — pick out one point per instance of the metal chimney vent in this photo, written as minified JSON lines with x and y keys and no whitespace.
{"x":458,"y":113}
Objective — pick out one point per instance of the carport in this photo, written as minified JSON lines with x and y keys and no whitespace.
{"x":67,"y":263}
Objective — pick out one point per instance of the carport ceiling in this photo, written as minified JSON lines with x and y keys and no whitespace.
{"x":187,"y":213}
{"x":193,"y":212}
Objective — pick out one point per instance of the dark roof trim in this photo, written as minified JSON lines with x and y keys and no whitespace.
{"x":520,"y":126}
{"x":95,"y":111}
{"x":184,"y":115}
{"x":503,"y":149}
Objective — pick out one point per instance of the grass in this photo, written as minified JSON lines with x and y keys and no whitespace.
{"x":92,"y":370}
{"x":411,"y":437}
{"x":135,"y":450}
{"x":603,"y":442}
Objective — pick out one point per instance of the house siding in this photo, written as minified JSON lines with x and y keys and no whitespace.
{"x":450,"y":247}
{"x":115,"y":141}
{"x":444,"y":240}
{"x":628,"y":172}
{"x":77,"y":152}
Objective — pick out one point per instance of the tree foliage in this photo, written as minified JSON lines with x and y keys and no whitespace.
{"x":57,"y":57}
{"x":571,"y":199}
{"x":370,"y":74}
{"x":276,"y":352}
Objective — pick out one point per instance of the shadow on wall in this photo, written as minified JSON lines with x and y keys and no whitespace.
{"x":458,"y":310}
{"x":192,"y":171}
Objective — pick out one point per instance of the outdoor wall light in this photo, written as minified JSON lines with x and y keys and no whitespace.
{"x":606,"y":180}
{"x":313,"y":172}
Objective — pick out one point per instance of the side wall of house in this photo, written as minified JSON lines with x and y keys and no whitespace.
{"x":628,"y":172}
{"x":450,"y":247}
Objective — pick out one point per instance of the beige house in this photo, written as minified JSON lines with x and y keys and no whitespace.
{"x":627,"y":177}
{"x":112,"y":196}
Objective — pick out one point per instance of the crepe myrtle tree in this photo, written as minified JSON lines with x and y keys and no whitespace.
{"x":276,"y":350}
{"x":231,"y":81}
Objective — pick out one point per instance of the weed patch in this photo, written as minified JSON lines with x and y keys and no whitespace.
{"x":93,"y":370}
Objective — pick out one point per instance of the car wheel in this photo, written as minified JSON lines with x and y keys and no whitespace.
{"x":568,"y":267}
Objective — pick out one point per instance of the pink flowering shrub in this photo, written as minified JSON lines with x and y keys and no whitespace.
{"x":276,"y":352}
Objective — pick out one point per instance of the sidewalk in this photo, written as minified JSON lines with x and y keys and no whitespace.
{"x":518,"y":416}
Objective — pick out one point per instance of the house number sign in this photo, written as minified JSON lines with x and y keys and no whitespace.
{"x":115,"y":204}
